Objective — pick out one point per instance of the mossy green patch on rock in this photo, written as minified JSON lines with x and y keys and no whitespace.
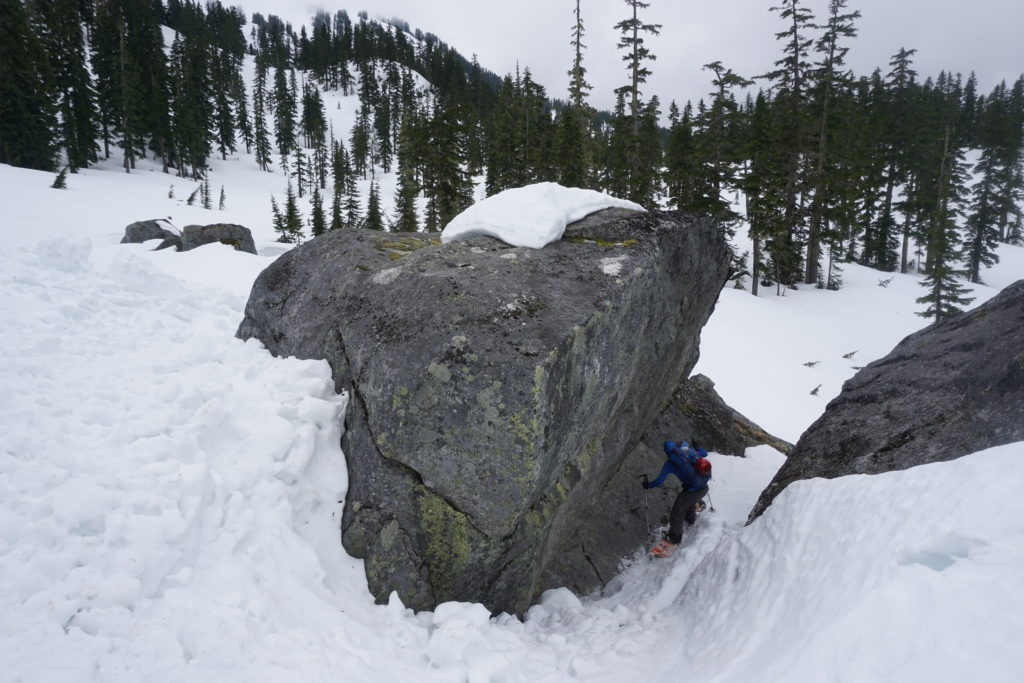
{"x":439,"y":372}
{"x":602,"y":243}
{"x":396,"y":246}
{"x":447,"y":536}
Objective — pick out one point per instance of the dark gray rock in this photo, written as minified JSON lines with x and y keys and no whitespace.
{"x":494,"y":390}
{"x":237,"y":236}
{"x":954,"y":388}
{"x":155,"y":229}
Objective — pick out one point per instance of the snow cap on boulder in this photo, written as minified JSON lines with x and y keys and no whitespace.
{"x":531,"y":216}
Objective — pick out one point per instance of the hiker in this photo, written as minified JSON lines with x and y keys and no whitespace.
{"x":690,"y":465}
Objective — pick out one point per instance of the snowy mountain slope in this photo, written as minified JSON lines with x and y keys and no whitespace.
{"x":757,"y":350}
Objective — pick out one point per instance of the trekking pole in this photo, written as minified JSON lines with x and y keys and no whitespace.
{"x":647,"y":517}
{"x":712,"y":505}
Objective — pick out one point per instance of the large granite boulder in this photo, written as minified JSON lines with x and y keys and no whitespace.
{"x":951,"y":389}
{"x":237,"y":236}
{"x":155,"y":229}
{"x":494,"y":390}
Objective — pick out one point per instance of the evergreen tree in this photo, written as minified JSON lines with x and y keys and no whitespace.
{"x":942,"y":193}
{"x":27,"y":121}
{"x":997,"y":133}
{"x":337,"y":219}
{"x":59,"y":27}
{"x":223,"y":72}
{"x":682,"y":166}
{"x":222,"y":204}
{"x":447,"y":185}
{"x":318,"y":221}
{"x":765,"y":185}
{"x":300,"y":169}
{"x":575,"y":148}
{"x":61,"y":181}
{"x":1010,"y":196}
{"x":191,"y":103}
{"x":830,"y":80}
{"x":292,"y":218}
{"x":406,"y":191}
{"x":207,"y":198}
{"x":130,"y":68}
{"x":243,"y":122}
{"x":719,"y":153}
{"x":618,"y":152}
{"x":359,"y":143}
{"x":374,"y":216}
{"x":261,"y":136}
{"x":284,"y":114}
{"x":897,"y":143}
{"x":352,"y":206}
{"x":790,"y":83}
{"x":278,"y":220}
{"x":631,"y":39}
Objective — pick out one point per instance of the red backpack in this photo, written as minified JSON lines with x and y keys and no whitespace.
{"x":703,"y":467}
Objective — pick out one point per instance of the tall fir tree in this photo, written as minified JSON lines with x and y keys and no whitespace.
{"x":575,"y":145}
{"x":318,"y":219}
{"x":719,"y":156}
{"x":942,"y":190}
{"x":631,"y":39}
{"x":682,"y":166}
{"x":27,"y":119}
{"x":261,"y":135}
{"x":447,"y":184}
{"x":59,"y":28}
{"x":790,"y":102}
{"x":284,"y":107}
{"x":374,"y":215}
{"x":830,"y":81}
{"x":406,"y":190}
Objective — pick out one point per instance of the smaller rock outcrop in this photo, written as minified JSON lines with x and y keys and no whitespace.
{"x":238,"y":236}
{"x":154,"y":229}
{"x":954,"y":388}
{"x":697,"y":412}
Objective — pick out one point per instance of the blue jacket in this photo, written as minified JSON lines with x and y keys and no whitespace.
{"x":680,"y":463}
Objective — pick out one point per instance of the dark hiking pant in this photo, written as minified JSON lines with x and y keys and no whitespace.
{"x":684,"y":510}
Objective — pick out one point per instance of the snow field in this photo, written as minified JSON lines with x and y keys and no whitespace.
{"x":169,"y":501}
{"x":155,"y":473}
{"x":904,"y":576}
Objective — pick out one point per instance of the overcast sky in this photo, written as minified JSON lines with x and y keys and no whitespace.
{"x":985,"y":36}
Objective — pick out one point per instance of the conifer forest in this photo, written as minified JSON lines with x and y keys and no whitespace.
{"x":895,"y":170}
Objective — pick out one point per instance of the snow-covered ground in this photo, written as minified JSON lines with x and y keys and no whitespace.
{"x":170,"y":495}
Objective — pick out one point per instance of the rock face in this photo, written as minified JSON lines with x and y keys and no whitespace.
{"x":949,"y":390}
{"x":495,"y":391}
{"x":156,"y":229}
{"x":238,"y":236}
